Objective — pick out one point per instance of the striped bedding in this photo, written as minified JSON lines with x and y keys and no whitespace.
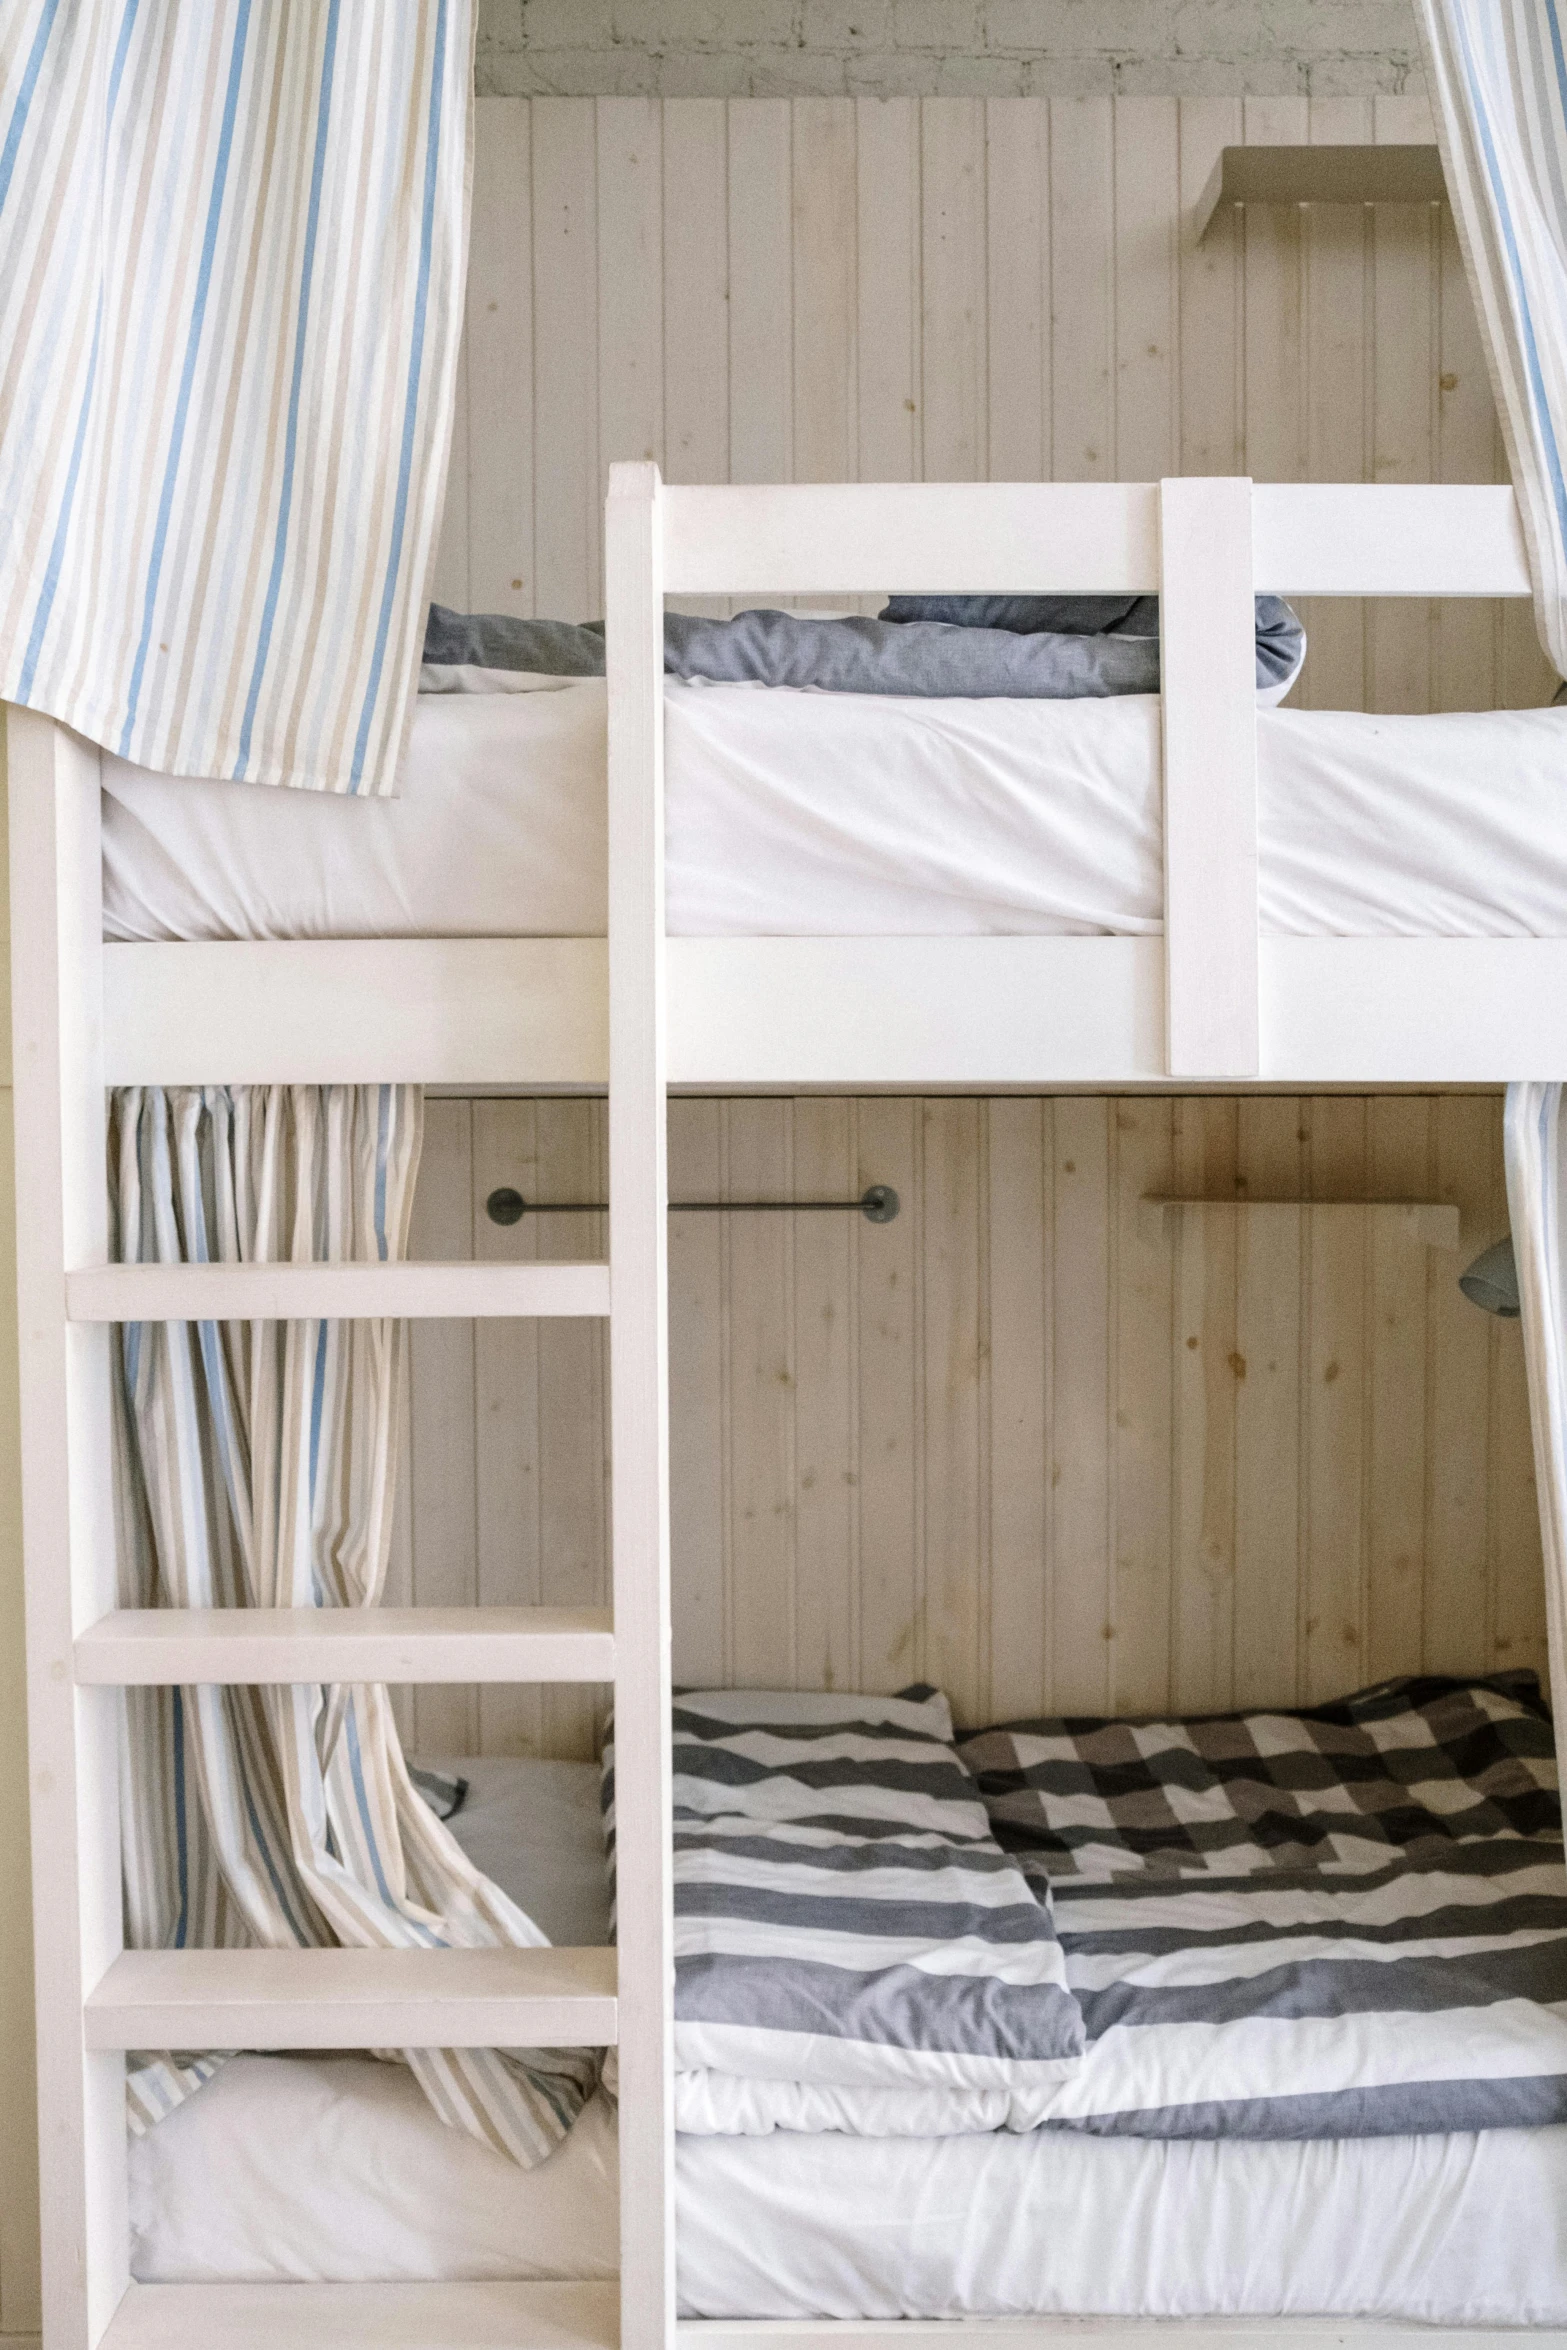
{"x":846,"y":1926}
{"x":1345,"y":1921}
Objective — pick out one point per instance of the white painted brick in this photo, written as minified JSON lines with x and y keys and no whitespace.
{"x":892,"y":48}
{"x":949,"y":25}
{"x":566,"y":24}
{"x":846,"y":26}
{"x":1127,"y":28}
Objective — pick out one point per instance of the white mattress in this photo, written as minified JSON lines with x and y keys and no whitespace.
{"x":335,"y":2168}
{"x":803,"y":814}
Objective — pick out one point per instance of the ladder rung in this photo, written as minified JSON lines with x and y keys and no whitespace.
{"x":355,"y":1999}
{"x":367,"y":2317}
{"x":298,"y":1293}
{"x":168,"y":1647}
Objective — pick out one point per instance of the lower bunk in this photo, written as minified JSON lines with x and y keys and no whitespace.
{"x":1365,"y":1886}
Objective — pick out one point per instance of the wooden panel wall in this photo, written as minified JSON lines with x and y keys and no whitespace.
{"x":1019,"y":1441}
{"x":951,"y":288}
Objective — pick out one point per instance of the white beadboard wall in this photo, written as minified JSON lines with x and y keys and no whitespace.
{"x":953,"y":288}
{"x":1016,"y":1442}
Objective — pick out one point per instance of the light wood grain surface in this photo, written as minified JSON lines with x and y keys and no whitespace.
{"x":1028,"y":1440}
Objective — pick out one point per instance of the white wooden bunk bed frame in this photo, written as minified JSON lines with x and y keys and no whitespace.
{"x":1210,"y":1004}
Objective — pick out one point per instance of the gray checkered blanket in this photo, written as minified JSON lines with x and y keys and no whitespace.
{"x":1346,"y":1920}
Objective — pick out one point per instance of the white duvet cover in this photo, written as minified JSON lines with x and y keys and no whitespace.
{"x":334,"y":2168}
{"x":806,"y":814}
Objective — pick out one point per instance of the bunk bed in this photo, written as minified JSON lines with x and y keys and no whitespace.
{"x":1207,"y":999}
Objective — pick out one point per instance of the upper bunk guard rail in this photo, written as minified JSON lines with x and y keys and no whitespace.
{"x":1211,"y":1001}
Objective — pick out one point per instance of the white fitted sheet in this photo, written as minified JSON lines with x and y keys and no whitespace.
{"x":805,"y":814}
{"x":336,"y":2169}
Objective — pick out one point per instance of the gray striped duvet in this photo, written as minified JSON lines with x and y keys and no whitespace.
{"x":1344,"y":1921}
{"x":846,"y":1925}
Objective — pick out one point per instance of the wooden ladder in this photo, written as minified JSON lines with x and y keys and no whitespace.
{"x":95,"y":1999}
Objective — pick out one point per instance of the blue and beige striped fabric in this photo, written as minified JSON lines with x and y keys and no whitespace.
{"x":844,"y":1920}
{"x":232,"y":252}
{"x":1497,"y":71}
{"x":258,"y":1466}
{"x":1535,"y":1134}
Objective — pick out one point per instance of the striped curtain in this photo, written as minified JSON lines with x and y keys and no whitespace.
{"x":232,"y":252}
{"x":258,"y":1467}
{"x":1536,"y":1138}
{"x":1498,"y":76}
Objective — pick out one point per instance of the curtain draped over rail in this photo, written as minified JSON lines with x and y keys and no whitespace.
{"x":232,"y":251}
{"x":257,"y":1469}
{"x":1498,"y":77}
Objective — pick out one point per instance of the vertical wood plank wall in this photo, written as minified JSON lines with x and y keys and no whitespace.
{"x":1018,"y":1441}
{"x":951,"y":288}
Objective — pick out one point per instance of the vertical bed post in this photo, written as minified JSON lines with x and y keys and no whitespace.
{"x":639,"y":1396}
{"x":67,"y":1511}
{"x":1207,"y":681}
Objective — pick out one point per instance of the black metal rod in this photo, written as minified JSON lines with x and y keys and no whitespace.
{"x":878,"y":1204}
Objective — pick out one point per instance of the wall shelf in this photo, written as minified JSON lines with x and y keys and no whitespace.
{"x":1320,"y":175}
{"x":1434,"y":1223}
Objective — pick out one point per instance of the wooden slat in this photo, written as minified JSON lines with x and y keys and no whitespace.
{"x":1147,"y":226}
{"x":826,"y":312}
{"x":1269,"y":1339}
{"x":1208,"y":702}
{"x":1204,"y":1378}
{"x":1017,"y":288}
{"x":930,"y":537}
{"x":1383,"y":539}
{"x":761,"y":307}
{"x":464,"y":1011}
{"x":952,"y":1499}
{"x":498,"y":341}
{"x":1434,"y":1223}
{"x":292,"y":1292}
{"x":504,"y":1444}
{"x":1337,"y":367}
{"x":850,"y":1013}
{"x":68,"y":1509}
{"x":826,"y":1433}
{"x":953,"y":325}
{"x":696,"y":290}
{"x":698,"y":1321}
{"x":568,"y":483}
{"x":172,"y":1647}
{"x":366,"y":2317}
{"x":886,"y":1303}
{"x":1078,"y":1558}
{"x":1082,"y":291}
{"x":443,"y":1435}
{"x":629,"y":221}
{"x":760,"y":1396}
{"x":639,"y":1397}
{"x":1333,"y":1647}
{"x":887,"y":228}
{"x":1018,"y":1276}
{"x":543,"y":1998}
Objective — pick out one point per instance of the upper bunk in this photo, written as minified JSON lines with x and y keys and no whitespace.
{"x":1197,"y":990}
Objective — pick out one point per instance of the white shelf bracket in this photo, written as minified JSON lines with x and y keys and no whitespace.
{"x":1208,"y":688}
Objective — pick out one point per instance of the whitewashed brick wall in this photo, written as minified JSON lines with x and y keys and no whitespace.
{"x":915,"y":48}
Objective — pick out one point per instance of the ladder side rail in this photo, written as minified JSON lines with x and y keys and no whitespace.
{"x":639,"y":1399}
{"x":1208,"y":701}
{"x":68,"y":1517}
